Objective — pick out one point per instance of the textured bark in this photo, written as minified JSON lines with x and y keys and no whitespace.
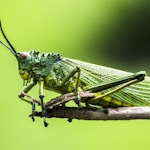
{"x":54,"y":109}
{"x":121,"y":113}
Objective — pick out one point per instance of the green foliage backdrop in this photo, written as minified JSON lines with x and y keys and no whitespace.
{"x":112,"y":33}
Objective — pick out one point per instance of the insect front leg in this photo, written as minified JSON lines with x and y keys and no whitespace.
{"x":24,"y":92}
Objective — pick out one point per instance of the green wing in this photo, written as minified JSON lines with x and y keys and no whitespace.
{"x":137,"y":94}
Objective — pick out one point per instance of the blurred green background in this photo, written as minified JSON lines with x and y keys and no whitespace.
{"x":113,"y":33}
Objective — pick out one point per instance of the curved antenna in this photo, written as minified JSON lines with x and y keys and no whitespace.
{"x":10,"y":47}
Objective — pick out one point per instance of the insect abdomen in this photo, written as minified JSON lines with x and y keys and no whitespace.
{"x":107,"y":101}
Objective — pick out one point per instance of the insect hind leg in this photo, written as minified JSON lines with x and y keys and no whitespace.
{"x":103,"y":99}
{"x":101,"y":96}
{"x":139,"y":76}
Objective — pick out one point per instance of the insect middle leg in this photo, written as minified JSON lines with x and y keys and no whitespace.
{"x":24,"y":92}
{"x":41,"y":96}
{"x":76,"y":70}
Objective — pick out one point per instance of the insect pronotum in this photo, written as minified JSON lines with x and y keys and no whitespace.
{"x":52,"y":71}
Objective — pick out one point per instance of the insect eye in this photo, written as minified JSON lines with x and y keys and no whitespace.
{"x":24,"y":55}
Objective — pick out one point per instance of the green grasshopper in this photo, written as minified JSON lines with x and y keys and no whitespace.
{"x":113,"y":88}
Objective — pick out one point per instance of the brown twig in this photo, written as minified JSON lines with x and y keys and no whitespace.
{"x":54,"y":109}
{"x":121,"y":113}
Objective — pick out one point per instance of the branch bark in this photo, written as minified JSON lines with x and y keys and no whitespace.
{"x":121,"y":113}
{"x":53,"y":109}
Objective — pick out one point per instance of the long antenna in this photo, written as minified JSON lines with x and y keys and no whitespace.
{"x":10,"y":47}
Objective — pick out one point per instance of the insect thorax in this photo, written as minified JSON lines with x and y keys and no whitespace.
{"x":47,"y":67}
{"x":44,"y":63}
{"x":36,"y":64}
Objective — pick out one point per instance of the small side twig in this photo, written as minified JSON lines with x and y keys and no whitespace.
{"x":66,"y":98}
